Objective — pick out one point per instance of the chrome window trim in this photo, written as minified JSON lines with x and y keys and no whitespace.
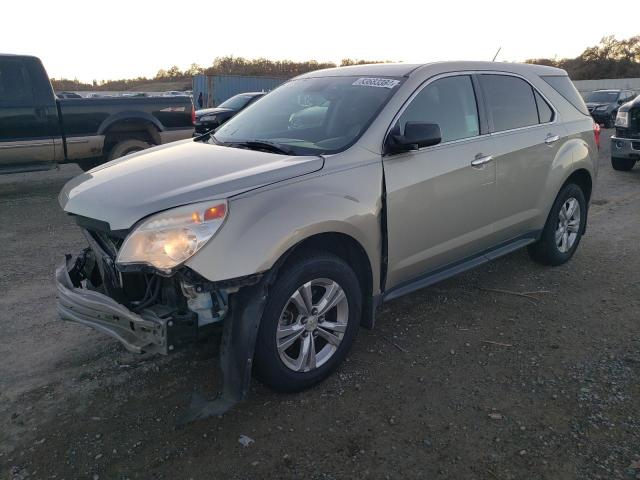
{"x":469,"y":73}
{"x":417,"y":91}
{"x":509,"y":74}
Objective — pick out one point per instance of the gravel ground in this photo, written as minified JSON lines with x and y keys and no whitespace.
{"x":457,"y":381}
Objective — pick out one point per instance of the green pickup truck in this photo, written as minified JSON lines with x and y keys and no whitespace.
{"x":39,"y":131}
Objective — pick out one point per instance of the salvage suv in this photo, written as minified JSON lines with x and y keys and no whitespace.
{"x":290,"y":237}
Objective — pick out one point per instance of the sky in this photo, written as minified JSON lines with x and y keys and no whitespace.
{"x":124,"y":39}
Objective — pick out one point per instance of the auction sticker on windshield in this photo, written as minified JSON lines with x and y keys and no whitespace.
{"x":377,"y":82}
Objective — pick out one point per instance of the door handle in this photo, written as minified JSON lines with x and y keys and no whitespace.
{"x":481,"y":160}
{"x":551,"y":139}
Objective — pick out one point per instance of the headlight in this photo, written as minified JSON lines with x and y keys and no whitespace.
{"x":207,"y":118}
{"x":622,"y":120}
{"x":602,"y":107}
{"x":167,"y":239}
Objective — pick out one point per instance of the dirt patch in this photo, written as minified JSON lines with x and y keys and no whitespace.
{"x":461,"y":380}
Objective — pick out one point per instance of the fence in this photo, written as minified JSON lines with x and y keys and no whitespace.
{"x":586,"y":86}
{"x":212,"y":90}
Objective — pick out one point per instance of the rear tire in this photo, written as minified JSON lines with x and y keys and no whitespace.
{"x":622,"y":164}
{"x":294,"y":313}
{"x":120,"y":149}
{"x":126,"y":147}
{"x":564,"y":228}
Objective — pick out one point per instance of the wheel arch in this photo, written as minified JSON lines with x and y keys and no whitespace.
{"x":135,"y":125}
{"x":583,"y":179}
{"x":348,"y":249}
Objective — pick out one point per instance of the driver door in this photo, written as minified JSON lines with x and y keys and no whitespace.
{"x":440,"y":198}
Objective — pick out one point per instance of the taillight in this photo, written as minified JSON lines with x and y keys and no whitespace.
{"x":596,"y":134}
{"x":193,"y":115}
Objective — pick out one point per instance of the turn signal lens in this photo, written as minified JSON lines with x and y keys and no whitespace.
{"x":219,"y":211}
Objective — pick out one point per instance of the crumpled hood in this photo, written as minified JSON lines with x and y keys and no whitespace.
{"x":125,"y":190}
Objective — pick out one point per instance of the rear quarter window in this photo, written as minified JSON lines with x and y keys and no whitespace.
{"x":565,"y":87}
{"x":510,"y":100}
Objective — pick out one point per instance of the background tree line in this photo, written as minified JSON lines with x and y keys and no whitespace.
{"x":230,"y":65}
{"x":611,"y":58}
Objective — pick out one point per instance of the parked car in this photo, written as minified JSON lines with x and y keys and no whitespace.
{"x":603,"y":104}
{"x":291,"y":238}
{"x":209,"y":119}
{"x":175,"y":93}
{"x":625,"y":144}
{"x":68,"y":95}
{"x":39,"y":130}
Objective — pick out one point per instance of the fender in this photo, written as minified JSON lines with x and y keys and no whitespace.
{"x":263,"y":225}
{"x":129,"y":115}
{"x":574,"y":155}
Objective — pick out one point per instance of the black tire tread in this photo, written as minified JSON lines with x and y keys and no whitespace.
{"x":268,"y":367}
{"x":545,"y":251}
{"x":622,"y":164}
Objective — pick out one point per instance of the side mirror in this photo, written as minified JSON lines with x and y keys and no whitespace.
{"x":416,"y":135}
{"x":621,"y":101}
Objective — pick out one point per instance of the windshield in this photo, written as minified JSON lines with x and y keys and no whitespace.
{"x":236,"y":102}
{"x":604,"y":97}
{"x":311,"y":116}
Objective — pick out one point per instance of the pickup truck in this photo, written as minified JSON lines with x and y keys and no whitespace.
{"x":39,"y":131}
{"x":625,"y":144}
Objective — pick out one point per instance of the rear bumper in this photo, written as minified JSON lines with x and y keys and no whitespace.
{"x":625,"y":148}
{"x":145,"y":332}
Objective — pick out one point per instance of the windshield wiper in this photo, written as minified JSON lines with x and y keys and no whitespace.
{"x":265,"y":145}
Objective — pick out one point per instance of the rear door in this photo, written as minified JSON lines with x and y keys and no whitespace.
{"x":526,"y":137}
{"x":26,"y":116}
{"x":439,"y":205}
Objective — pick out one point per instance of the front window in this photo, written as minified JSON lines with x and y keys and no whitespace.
{"x":236,"y":102}
{"x":449,"y":102}
{"x":311,"y":116}
{"x":602,"y":97}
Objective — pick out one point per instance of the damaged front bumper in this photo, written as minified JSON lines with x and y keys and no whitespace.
{"x":139,"y":333}
{"x":166,"y":312}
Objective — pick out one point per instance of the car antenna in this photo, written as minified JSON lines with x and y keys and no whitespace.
{"x":496,"y":55}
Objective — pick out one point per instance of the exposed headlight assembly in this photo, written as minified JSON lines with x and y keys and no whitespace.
{"x":622,"y":119}
{"x":168,"y":239}
{"x":602,"y":107}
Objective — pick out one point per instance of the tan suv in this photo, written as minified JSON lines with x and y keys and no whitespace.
{"x":338,"y":191}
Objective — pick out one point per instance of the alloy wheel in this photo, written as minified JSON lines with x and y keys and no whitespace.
{"x":568,"y":225}
{"x":312,"y":325}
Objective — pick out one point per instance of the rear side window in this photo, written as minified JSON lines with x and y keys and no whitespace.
{"x":451,"y":103}
{"x":510,"y":100}
{"x":15,"y":84}
{"x":565,"y":87}
{"x":545,"y":113}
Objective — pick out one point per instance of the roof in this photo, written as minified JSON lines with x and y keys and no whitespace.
{"x":384,"y":69}
{"x":407,"y":69}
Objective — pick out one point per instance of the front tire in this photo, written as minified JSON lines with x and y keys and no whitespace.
{"x":309,"y":322}
{"x":622,"y":164}
{"x":564,"y":228}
